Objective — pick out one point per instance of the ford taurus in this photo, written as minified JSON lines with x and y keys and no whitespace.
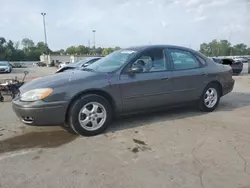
{"x":124,"y":82}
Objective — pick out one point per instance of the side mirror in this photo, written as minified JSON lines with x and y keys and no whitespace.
{"x":136,"y":69}
{"x":26,"y":72}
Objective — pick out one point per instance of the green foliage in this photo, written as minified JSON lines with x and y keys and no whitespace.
{"x":11,"y":51}
{"x":30,"y":51}
{"x":84,"y":50}
{"x":223,"y":48}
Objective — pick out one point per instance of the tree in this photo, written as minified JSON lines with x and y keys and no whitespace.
{"x":99,"y":50}
{"x":223,"y":48}
{"x":117,"y":48}
{"x":16,"y":45}
{"x":205,"y":49}
{"x":240,"y":49}
{"x":2,"y":48}
{"x":2,"y":41}
{"x":71,"y":50}
{"x":105,"y":52}
{"x":27,"y":43}
{"x":30,"y":51}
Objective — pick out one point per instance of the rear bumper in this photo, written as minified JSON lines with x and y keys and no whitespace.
{"x":228,"y":87}
{"x":237,"y":67}
{"x":40,"y":115}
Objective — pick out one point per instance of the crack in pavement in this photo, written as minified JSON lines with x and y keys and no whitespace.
{"x":200,"y":163}
{"x":200,"y":174}
{"x":242,"y":158}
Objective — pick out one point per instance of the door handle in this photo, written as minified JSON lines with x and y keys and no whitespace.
{"x":203,"y":74}
{"x":165,"y":78}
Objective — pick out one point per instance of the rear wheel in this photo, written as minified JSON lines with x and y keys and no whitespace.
{"x":90,"y":115}
{"x":210,"y":98}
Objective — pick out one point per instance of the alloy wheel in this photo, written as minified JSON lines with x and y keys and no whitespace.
{"x":92,"y":116}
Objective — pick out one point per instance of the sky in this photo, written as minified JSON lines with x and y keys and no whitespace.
{"x":126,"y":23}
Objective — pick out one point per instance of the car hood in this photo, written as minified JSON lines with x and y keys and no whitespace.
{"x":4,"y":66}
{"x":59,"y":80}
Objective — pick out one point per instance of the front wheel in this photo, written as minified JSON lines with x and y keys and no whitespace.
{"x":90,"y":115}
{"x":210,"y":98}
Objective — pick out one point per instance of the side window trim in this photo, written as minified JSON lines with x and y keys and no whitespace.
{"x":197,"y":56}
{"x":183,"y":50}
{"x":169,"y":59}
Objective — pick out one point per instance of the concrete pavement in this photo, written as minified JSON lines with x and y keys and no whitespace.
{"x":174,"y":148}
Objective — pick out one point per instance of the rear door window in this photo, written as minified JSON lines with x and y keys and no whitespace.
{"x":183,"y":60}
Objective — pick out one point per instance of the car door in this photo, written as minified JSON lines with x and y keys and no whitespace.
{"x":189,"y":75}
{"x":150,"y":88}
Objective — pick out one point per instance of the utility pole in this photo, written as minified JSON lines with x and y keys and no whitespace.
{"x":94,"y":39}
{"x":89,"y":43}
{"x":229,"y":39}
{"x":45,"y":35}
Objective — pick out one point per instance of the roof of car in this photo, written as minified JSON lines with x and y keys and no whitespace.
{"x":144,"y":47}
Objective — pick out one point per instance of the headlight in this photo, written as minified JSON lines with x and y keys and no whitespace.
{"x":36,"y":94}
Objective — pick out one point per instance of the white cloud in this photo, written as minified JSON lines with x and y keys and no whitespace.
{"x":200,"y":18}
{"x":164,"y":24}
{"x":126,"y":22}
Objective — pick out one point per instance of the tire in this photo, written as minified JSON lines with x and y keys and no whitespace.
{"x":204,"y":106}
{"x":1,"y":99}
{"x":92,"y":116}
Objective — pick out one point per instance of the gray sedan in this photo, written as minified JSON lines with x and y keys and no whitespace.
{"x":124,"y":82}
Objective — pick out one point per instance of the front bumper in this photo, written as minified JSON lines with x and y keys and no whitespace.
{"x":228,"y":87}
{"x":40,"y":113}
{"x":4,"y":71}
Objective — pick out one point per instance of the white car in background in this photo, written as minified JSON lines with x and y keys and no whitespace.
{"x":5,"y":67}
{"x":63,"y":64}
{"x":79,"y":64}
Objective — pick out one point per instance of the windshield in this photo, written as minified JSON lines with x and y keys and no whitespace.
{"x":3,"y":64}
{"x":89,"y":61}
{"x":78,"y":63}
{"x":112,"y":61}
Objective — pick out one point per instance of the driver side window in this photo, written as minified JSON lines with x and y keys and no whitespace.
{"x":151,"y":61}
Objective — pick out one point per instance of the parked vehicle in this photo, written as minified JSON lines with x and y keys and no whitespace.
{"x":63,"y":64}
{"x":16,"y":65}
{"x":5,"y":67}
{"x":41,"y":64}
{"x":78,"y":64}
{"x":237,"y":66}
{"x":242,"y":59}
{"x":11,"y":86}
{"x":245,"y":59}
{"x":126,"y":81}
